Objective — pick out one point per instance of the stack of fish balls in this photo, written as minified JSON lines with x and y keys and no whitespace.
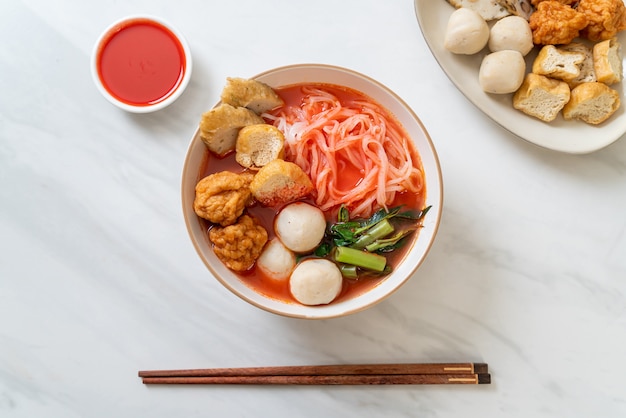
{"x":509,"y":40}
{"x":299,"y":229}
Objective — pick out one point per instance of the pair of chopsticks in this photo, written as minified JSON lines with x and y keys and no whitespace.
{"x":358,"y":374}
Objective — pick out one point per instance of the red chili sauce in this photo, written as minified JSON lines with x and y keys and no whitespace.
{"x":254,"y":278}
{"x":141,"y":62}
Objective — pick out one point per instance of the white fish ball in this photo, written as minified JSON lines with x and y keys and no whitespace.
{"x":511,"y":32}
{"x":502,"y":72}
{"x":315,"y":281}
{"x":300,"y":226}
{"x":466,"y":33}
{"x":276,"y":261}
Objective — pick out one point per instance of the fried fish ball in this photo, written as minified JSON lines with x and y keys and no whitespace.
{"x":604,"y":18}
{"x":252,"y":94}
{"x":239,"y":245}
{"x":222,"y":197}
{"x":220,"y":126}
{"x":568,"y":2}
{"x":554,"y":23}
{"x":279,"y":182}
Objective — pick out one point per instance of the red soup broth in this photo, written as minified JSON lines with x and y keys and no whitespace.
{"x":254,"y":278}
{"x":141,"y":62}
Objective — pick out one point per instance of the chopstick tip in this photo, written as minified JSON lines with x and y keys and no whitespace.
{"x":484,"y":379}
{"x":481,"y":368}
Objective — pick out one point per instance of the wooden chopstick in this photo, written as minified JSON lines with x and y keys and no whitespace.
{"x":349,"y":379}
{"x":339,"y":369}
{"x":360,"y":374}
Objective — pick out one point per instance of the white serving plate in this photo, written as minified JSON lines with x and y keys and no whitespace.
{"x":572,"y":137}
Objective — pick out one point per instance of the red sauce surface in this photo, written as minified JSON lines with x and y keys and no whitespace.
{"x":254,"y":278}
{"x":141,"y":62}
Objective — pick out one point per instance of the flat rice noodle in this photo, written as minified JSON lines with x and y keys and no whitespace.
{"x":323,"y":136}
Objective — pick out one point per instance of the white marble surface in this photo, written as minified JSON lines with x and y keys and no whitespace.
{"x":99,"y":280}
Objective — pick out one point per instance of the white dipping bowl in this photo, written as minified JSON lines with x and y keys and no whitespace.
{"x":319,"y":73}
{"x":141,"y":61}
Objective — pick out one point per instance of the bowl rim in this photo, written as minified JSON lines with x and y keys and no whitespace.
{"x":319,"y":312}
{"x":173,"y":96}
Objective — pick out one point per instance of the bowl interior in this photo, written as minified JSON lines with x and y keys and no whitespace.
{"x":319,"y":73}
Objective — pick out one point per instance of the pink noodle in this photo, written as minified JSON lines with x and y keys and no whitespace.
{"x":322,"y":129}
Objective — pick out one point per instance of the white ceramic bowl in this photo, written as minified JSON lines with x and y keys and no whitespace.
{"x":295,"y":74}
{"x":142,"y":60}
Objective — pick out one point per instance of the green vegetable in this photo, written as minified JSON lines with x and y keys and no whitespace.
{"x":357,"y":244}
{"x":360,"y":258}
{"x":343,"y":215}
{"x":349,"y":270}
{"x":323,"y":249}
{"x":379,"y":230}
{"x":343,"y":233}
{"x":389,"y":244}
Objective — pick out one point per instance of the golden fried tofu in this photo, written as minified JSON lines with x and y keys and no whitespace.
{"x":558,"y":63}
{"x":604,"y":18}
{"x":607,"y":61}
{"x":280,"y":182}
{"x":239,"y":245}
{"x":252,"y":94}
{"x":222,"y":197}
{"x":587,"y":70}
{"x":258,"y":145}
{"x":220,"y":126}
{"x":555,"y":23}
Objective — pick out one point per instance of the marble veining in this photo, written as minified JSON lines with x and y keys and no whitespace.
{"x":98,"y":278}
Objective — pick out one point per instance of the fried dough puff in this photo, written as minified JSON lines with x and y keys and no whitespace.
{"x":239,"y":245}
{"x":605,"y":18}
{"x":554,"y":23}
{"x":568,"y":2}
{"x":222,"y":197}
